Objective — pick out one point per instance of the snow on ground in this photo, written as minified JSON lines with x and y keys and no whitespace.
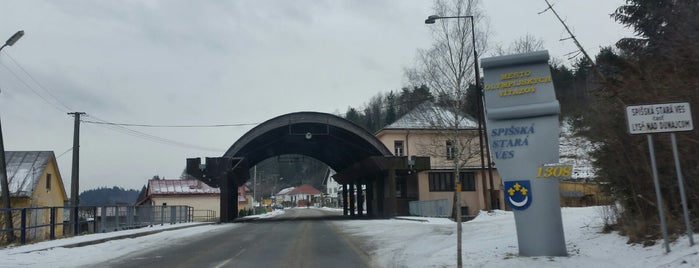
{"x":274,"y":213}
{"x":488,"y":241}
{"x":52,"y":254}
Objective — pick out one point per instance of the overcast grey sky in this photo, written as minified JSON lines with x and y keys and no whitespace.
{"x":221,"y":62}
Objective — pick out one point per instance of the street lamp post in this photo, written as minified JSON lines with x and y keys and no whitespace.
{"x":488,"y":195}
{"x":3,"y":168}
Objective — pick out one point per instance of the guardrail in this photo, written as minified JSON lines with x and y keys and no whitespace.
{"x":46,"y":223}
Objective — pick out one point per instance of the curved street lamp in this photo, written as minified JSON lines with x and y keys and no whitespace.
{"x":13,"y":39}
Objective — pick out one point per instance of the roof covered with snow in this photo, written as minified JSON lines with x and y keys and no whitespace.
{"x":162,"y":187}
{"x":24,"y":169}
{"x":429,"y":116}
{"x":286,"y":190}
{"x":305,"y":189}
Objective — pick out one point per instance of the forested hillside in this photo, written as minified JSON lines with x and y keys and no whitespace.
{"x":108,"y":196}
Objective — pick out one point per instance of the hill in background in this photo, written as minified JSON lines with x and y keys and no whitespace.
{"x":108,"y":196}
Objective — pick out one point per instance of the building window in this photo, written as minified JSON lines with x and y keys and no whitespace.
{"x":48,"y":181}
{"x":451,"y":150}
{"x":441,"y":181}
{"x":468,"y":181}
{"x":398,"y":148}
{"x":444,"y":181}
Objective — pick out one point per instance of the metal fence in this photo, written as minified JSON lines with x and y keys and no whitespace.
{"x":204,"y":215}
{"x":43,"y":223}
{"x":430,"y":208}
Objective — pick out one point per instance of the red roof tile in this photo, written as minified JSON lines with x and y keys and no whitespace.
{"x":304,"y":189}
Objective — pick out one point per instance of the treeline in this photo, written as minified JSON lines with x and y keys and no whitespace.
{"x":659,"y":66}
{"x":385,"y":108}
{"x":104,"y":196}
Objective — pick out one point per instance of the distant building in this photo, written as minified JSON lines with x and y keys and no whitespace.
{"x":283,"y":197}
{"x":305,"y":195}
{"x":34,"y":181}
{"x":332,"y":189}
{"x":194,"y":193}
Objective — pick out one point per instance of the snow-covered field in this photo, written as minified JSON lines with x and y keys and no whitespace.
{"x":488,"y":241}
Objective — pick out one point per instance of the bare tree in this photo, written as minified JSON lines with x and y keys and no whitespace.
{"x":448,"y":69}
{"x":524,"y":44}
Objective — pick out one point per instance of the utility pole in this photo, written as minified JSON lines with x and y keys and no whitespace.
{"x":3,"y":168}
{"x":74,"y":180}
{"x":5,"y":192}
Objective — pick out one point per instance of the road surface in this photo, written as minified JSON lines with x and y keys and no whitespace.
{"x":298,"y":238}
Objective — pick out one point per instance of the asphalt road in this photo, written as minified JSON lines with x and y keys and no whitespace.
{"x":298,"y":238}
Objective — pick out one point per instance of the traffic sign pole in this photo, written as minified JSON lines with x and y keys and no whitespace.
{"x":680,"y":182}
{"x":663,"y":227}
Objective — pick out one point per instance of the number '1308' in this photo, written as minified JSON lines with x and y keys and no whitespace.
{"x":554,"y":171}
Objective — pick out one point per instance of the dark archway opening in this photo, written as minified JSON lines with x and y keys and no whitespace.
{"x":359,"y":158}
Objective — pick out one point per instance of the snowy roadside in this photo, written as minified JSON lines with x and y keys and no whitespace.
{"x":490,"y":240}
{"x":72,"y":252}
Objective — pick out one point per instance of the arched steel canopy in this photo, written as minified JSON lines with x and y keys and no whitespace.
{"x":333,"y":140}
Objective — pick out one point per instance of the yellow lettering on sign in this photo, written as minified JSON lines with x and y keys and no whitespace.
{"x":514,"y":75}
{"x":517,"y":83}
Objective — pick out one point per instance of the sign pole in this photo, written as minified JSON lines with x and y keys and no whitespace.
{"x":663,"y":227}
{"x":680,"y":182}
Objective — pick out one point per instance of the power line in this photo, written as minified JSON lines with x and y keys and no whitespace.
{"x":69,"y":149}
{"x":149,"y":137}
{"x":32,"y":89}
{"x":37,"y":82}
{"x":169,"y":126}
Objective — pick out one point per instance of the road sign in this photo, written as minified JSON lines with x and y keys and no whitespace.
{"x":659,"y":118}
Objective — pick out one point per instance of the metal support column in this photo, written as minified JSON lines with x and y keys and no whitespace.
{"x":392,"y":200}
{"x":352,"y":199}
{"x":380,"y":194}
{"x":370,"y":198}
{"x":360,"y":198}
{"x":229,"y":199}
{"x":345,"y":209}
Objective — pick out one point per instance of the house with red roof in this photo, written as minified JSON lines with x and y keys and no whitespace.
{"x":305,"y":195}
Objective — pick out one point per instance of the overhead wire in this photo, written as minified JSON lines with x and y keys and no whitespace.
{"x":117,"y":127}
{"x":146,"y":136}
{"x":39,"y":84}
{"x":32,"y":89}
{"x":170,"y":126}
{"x":66,"y":151}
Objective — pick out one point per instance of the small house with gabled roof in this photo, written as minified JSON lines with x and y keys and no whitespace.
{"x":35,"y":181}
{"x":193,"y":193}
{"x":305,"y":195}
{"x":429,"y":131}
